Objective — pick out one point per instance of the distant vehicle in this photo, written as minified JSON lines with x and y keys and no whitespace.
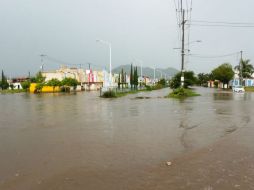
{"x":238,"y":89}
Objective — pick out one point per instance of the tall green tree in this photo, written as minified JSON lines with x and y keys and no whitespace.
{"x":131,"y":77}
{"x":122,"y":78}
{"x":4,"y":84}
{"x":119,"y":80}
{"x":247,"y":68}
{"x":224,"y":73}
{"x":189,"y":80}
{"x":136,"y":77}
{"x":125,"y":81}
{"x":202,"y":79}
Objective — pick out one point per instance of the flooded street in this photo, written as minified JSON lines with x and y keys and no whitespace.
{"x":81,"y":141}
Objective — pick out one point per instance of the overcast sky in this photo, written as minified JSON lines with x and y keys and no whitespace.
{"x":138,"y":29}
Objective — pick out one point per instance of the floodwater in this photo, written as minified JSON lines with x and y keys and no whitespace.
{"x":81,"y":141}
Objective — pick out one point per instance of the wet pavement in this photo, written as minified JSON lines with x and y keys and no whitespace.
{"x":80,"y":141}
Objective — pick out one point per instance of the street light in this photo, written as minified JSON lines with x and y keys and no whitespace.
{"x":110,"y":67}
{"x":42,"y":64}
{"x":196,"y":41}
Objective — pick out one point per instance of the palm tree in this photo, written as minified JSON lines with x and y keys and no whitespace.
{"x":247,"y":68}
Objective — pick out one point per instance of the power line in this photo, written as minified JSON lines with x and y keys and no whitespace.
{"x":224,"y":22}
{"x":215,"y":56}
{"x":222,"y":25}
{"x":55,"y":60}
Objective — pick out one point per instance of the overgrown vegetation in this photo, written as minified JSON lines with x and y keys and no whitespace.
{"x":109,"y":94}
{"x":155,"y":87}
{"x":182,"y":93}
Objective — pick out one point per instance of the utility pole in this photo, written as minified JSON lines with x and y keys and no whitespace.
{"x":241,"y":69}
{"x":182,"y":67}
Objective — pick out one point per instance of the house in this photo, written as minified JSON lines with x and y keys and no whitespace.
{"x":245,"y":81}
{"x":16,"y":82}
{"x":65,"y":72}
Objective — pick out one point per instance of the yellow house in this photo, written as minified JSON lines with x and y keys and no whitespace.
{"x":44,"y":89}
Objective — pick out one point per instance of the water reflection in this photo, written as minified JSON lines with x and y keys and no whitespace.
{"x":223,"y":96}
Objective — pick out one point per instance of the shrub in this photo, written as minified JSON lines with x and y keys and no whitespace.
{"x":109,"y":94}
{"x":182,"y":93}
{"x":25,"y":85}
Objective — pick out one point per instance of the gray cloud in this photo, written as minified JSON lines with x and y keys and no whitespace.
{"x":143,"y":29}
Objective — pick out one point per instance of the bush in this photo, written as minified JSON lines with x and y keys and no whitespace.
{"x":182,"y":93}
{"x":39,"y":87}
{"x":70,"y":82}
{"x":25,"y":85}
{"x":65,"y":89}
{"x":109,"y":94}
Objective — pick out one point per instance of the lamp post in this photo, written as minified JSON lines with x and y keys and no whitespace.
{"x":110,"y":66}
{"x":42,"y":64}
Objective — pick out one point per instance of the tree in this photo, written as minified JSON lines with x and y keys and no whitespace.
{"x":162,"y":82}
{"x":131,"y":77}
{"x":4,"y":84}
{"x":70,"y":82}
{"x":202,"y":79}
{"x":119,"y":80}
{"x":125,"y":81}
{"x":54,"y":82}
{"x":135,"y":77}
{"x":122,"y":78}
{"x":189,"y":80}
{"x":25,"y":85}
{"x":224,"y":73}
{"x":247,"y":68}
{"x":38,"y":78}
{"x":39,"y":87}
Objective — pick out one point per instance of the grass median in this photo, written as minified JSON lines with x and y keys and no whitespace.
{"x":181,"y":93}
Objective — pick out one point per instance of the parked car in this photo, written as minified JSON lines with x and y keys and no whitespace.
{"x":238,"y":89}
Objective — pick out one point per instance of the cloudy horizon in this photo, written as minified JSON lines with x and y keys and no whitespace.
{"x":137,"y":29}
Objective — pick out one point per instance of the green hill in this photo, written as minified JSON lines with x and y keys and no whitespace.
{"x":147,"y":71}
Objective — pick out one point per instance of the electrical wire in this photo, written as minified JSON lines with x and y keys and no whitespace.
{"x":221,"y":25}
{"x":215,"y":56}
{"x":60,"y":62}
{"x":223,"y":22}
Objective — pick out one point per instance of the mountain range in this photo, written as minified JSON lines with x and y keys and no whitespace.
{"x":148,"y":72}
